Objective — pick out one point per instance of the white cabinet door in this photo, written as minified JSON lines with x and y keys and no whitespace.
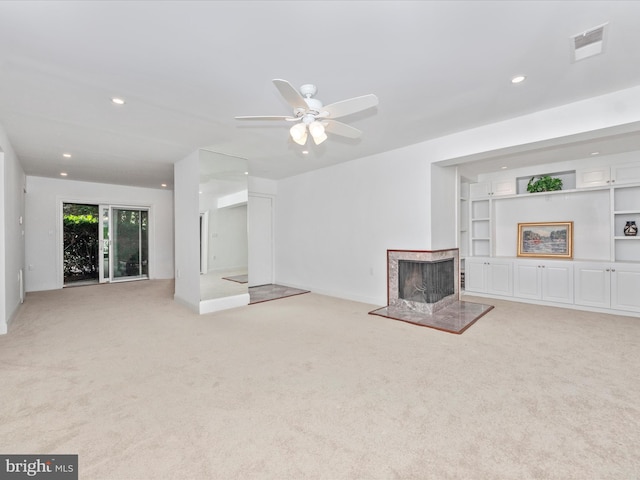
{"x":627,"y":173}
{"x":474,"y":275}
{"x":592,"y":177}
{"x":479,"y":189}
{"x":499,"y":277}
{"x":506,"y":186}
{"x":551,"y":281}
{"x":625,"y":287}
{"x":557,"y":282}
{"x":488,"y":275}
{"x":527,"y":280}
{"x":592,"y":284}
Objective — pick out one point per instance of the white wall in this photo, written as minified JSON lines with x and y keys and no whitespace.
{"x":11,"y":231}
{"x":3,"y":230}
{"x":444,"y":204}
{"x":43,"y":225}
{"x":333,"y":226}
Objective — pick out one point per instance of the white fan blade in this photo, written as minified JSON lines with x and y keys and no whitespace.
{"x":352,"y":105}
{"x":290,"y":94}
{"x":267,"y":117}
{"x":342,"y":129}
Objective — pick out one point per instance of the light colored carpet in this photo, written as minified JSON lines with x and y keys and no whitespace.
{"x":312,"y":387}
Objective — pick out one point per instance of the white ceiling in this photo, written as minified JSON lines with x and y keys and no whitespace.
{"x":186,"y":69}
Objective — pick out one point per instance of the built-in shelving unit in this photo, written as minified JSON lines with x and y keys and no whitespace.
{"x":599,"y":199}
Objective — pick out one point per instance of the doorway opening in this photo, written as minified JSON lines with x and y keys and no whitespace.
{"x":80,"y":244}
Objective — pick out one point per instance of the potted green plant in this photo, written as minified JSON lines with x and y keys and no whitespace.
{"x":545,"y":183}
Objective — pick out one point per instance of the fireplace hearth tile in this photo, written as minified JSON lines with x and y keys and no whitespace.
{"x":454,"y":318}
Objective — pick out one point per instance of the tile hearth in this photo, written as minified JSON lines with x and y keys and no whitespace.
{"x":454,"y":318}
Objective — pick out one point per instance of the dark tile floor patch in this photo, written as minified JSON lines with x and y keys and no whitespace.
{"x":264,"y":293}
{"x":455,"y":318}
{"x":238,"y":278}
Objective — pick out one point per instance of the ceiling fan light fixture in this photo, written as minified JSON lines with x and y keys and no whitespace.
{"x":301,"y":141}
{"x":317,"y":132}
{"x":320,"y":138}
{"x":299,"y":133}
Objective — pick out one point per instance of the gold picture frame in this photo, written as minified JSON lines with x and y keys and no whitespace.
{"x":545,"y":240}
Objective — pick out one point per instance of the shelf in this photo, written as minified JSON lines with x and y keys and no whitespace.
{"x":626,"y":200}
{"x":626,"y":238}
{"x":480,"y":219}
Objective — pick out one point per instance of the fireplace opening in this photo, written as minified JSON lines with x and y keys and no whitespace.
{"x":426,"y":281}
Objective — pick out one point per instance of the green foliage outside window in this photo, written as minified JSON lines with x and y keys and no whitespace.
{"x":80,"y":260}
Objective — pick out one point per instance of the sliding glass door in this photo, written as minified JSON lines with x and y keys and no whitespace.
{"x":129,"y":241}
{"x":104,"y":243}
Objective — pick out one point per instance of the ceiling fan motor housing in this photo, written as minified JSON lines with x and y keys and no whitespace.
{"x":314,"y":104}
{"x":308,"y":90}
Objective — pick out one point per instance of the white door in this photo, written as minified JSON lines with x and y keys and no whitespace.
{"x":260,"y":233}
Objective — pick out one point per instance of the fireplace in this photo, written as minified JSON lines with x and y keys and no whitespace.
{"x":423,"y":288}
{"x":422,"y":281}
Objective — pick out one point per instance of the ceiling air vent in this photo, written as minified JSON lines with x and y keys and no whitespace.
{"x":587,"y":44}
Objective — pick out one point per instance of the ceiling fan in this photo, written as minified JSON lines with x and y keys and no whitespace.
{"x":309,"y":113}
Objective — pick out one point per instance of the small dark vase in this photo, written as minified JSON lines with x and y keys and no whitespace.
{"x":631,"y":229}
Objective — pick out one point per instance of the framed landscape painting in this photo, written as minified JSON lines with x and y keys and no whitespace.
{"x":545,"y":239}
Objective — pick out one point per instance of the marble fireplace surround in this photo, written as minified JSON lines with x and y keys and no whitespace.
{"x":394,"y":257}
{"x":448,"y":314}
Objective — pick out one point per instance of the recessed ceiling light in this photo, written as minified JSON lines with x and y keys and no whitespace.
{"x":163,"y":185}
{"x":117,"y":101}
{"x":66,"y":155}
{"x":504,"y":167}
{"x":305,"y":152}
{"x":518,"y":79}
{"x":246,"y":173}
{"x":63,"y":174}
{"x":595,"y":153}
